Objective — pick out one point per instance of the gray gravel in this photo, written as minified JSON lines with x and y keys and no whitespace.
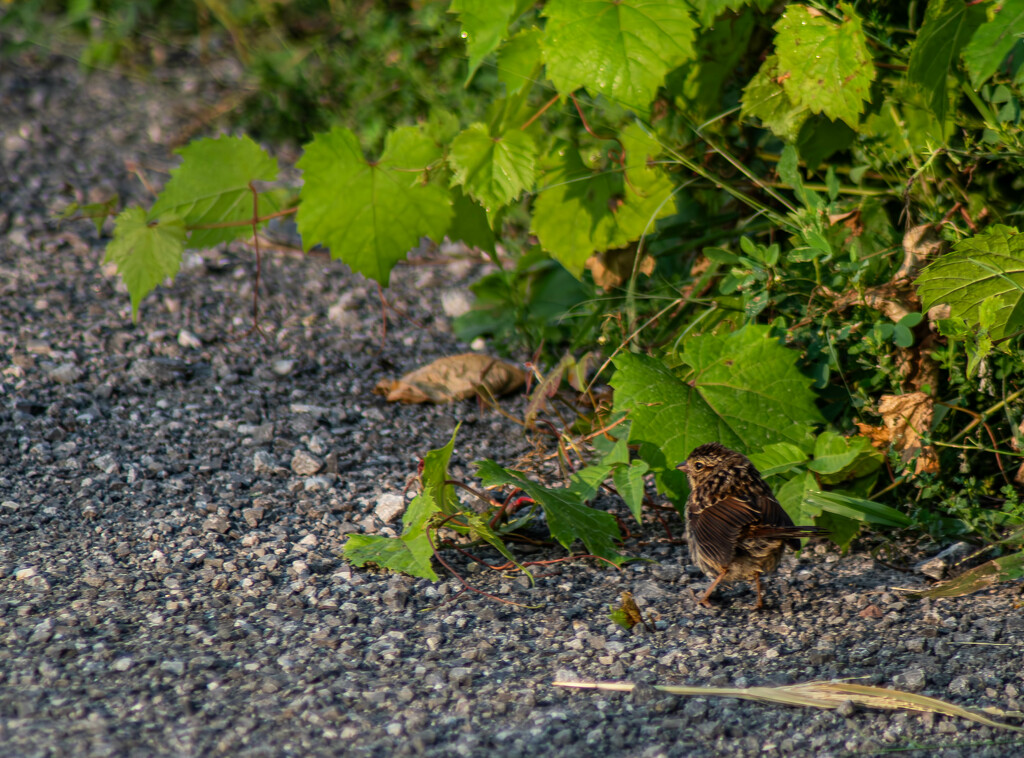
{"x":174,"y":498}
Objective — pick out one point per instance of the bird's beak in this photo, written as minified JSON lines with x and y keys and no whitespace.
{"x":683,"y":467}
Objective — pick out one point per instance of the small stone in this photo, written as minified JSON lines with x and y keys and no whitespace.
{"x":24,"y":574}
{"x":123,"y":664}
{"x":960,"y":685}
{"x":460,"y":676}
{"x":846,"y":709}
{"x":252,"y":516}
{"x":310,"y":540}
{"x":189,"y":339}
{"x":65,"y":373}
{"x":395,"y":598}
{"x":305,"y":464}
{"x":283,"y":367}
{"x":912,"y":680}
{"x":176,"y":668}
{"x":389,"y":507}
{"x":317,"y":483}
{"x":263,"y":462}
{"x":216,"y":523}
{"x":106,"y":463}
{"x":42,"y":632}
{"x":455,"y":303}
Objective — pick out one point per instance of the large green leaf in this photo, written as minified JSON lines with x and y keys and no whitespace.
{"x":621,"y":49}
{"x":948,"y":26}
{"x":741,"y":389}
{"x":987,"y":269}
{"x":212,"y":186}
{"x":519,"y":61}
{"x":494,"y":169}
{"x":145,"y":253}
{"x":993,"y":41}
{"x":582,"y":212}
{"x":371,"y":213}
{"x":569,"y":518}
{"x":823,"y":65}
{"x":484,"y":24}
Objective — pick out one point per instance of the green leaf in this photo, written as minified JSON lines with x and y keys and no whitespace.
{"x":621,"y":49}
{"x":410,"y":554}
{"x":993,"y":41}
{"x":568,"y":518}
{"x":709,"y":10}
{"x":435,"y":474}
{"x":582,"y":212}
{"x":837,"y":458}
{"x":857,"y":508}
{"x":765,"y":98}
{"x":629,"y":482}
{"x":825,"y":66}
{"x":986,"y":267}
{"x":371,"y":213}
{"x":145,"y":253}
{"x":469,"y":223}
{"x":779,"y":458}
{"x":493,"y":169}
{"x":484,"y":24}
{"x":792,"y":496}
{"x":212,"y":186}
{"x":98,"y":212}
{"x":948,"y":25}
{"x":741,"y":389}
{"x":519,"y":61}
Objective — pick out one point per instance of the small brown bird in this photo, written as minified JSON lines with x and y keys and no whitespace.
{"x":735,"y":527}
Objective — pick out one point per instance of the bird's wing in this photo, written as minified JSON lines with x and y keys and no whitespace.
{"x":772,"y":513}
{"x":717,"y":525}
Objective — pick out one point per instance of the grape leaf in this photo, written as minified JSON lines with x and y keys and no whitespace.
{"x":792,"y":496}
{"x":493,"y":169}
{"x":484,"y":24}
{"x":371,"y":213}
{"x":211,"y":186}
{"x":519,"y":61}
{"x":469,"y":222}
{"x":582,"y":211}
{"x":411,"y":553}
{"x":837,"y":458}
{"x":779,"y":458}
{"x":629,"y":482}
{"x":948,"y":25}
{"x":741,"y":389}
{"x":824,"y":66}
{"x":621,"y":49}
{"x":986,"y":267}
{"x":145,"y":253}
{"x":568,"y":517}
{"x":765,"y":98}
{"x":993,"y":41}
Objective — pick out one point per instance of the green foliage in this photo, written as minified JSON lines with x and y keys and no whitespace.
{"x":364,"y":230}
{"x":982,"y":281}
{"x":755,"y":166}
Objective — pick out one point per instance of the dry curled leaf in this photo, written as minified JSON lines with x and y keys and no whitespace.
{"x":905,"y":419}
{"x":628,"y":614}
{"x":454,"y":377}
{"x":613,"y":267}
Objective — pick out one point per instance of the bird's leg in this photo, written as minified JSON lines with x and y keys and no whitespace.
{"x":757,"y":585}
{"x":707,"y":593}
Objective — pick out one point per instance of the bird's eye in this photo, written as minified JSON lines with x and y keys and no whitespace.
{"x":697,"y":465}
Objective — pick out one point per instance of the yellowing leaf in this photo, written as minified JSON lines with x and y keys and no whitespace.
{"x":825,"y":66}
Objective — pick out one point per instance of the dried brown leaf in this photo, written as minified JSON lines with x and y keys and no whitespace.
{"x":919,"y":244}
{"x":613,"y":267}
{"x":454,"y":377}
{"x":907,"y":417}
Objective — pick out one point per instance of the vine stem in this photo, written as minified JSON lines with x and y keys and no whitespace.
{"x":986,"y":413}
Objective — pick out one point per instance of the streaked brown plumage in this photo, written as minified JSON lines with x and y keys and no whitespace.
{"x":735,"y":528}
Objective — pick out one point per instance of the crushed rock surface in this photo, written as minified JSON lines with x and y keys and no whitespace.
{"x":175,"y":495}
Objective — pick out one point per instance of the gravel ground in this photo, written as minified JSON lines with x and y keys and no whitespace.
{"x":169,"y":585}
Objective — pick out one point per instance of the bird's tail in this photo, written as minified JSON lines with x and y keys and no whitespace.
{"x":789,"y":532}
